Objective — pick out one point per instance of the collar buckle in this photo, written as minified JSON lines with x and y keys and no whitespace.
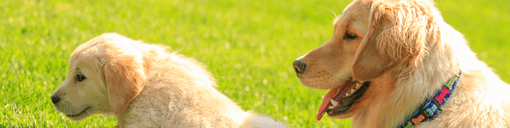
{"x":423,"y":106}
{"x":424,"y":113}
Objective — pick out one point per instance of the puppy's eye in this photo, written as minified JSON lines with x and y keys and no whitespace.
{"x":349,"y":36}
{"x":80,"y":77}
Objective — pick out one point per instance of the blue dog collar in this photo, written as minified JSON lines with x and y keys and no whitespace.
{"x":431,"y":107}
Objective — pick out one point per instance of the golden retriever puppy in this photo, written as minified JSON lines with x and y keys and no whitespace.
{"x":142,"y":85}
{"x":396,"y":63}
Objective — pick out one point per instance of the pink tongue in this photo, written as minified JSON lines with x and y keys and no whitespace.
{"x":326,"y":102}
{"x":331,"y":94}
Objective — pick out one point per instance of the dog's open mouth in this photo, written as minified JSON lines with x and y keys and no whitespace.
{"x":84,"y":110}
{"x":341,"y":98}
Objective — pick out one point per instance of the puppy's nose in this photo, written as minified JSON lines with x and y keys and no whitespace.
{"x":55,"y":98}
{"x":299,"y":66}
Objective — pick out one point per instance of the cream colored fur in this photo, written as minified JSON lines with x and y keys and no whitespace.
{"x":142,"y":85}
{"x":408,"y":52}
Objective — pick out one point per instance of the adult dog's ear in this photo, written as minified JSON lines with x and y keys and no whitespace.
{"x":124,"y":77}
{"x":397,"y":35}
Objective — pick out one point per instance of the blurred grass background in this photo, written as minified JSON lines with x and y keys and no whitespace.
{"x":248,"y":46}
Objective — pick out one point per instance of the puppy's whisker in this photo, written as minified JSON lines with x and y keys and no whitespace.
{"x":331,"y":12}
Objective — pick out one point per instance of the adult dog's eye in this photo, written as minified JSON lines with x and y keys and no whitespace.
{"x":349,"y":36}
{"x":80,"y":77}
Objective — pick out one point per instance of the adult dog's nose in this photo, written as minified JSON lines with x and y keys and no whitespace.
{"x":55,"y":98}
{"x":299,"y":66}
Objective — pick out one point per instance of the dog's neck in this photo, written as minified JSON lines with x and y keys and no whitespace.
{"x":441,"y":61}
{"x":431,"y":107}
{"x":413,"y":84}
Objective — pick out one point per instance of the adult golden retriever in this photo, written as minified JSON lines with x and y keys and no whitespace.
{"x":142,"y":85}
{"x":386,"y":59}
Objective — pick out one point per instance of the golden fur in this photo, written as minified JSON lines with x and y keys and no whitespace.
{"x":408,"y":52}
{"x":142,"y":85}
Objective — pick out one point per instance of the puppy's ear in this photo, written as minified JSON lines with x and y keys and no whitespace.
{"x":397,"y":34}
{"x":124,"y":77}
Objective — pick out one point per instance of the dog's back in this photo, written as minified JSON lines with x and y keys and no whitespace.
{"x":179,"y":92}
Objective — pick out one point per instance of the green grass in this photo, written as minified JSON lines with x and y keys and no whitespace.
{"x":247,"y":45}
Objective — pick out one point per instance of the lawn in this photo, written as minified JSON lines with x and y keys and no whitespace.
{"x":248,"y":46}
